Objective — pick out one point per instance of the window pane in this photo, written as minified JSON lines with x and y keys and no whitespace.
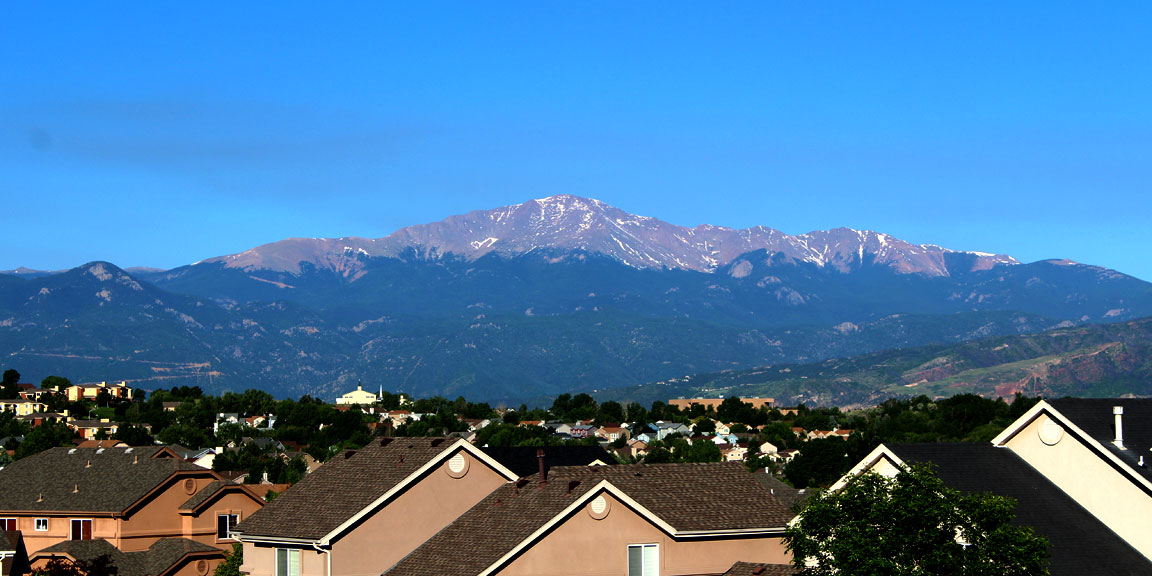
{"x":281,"y":562}
{"x":635,"y":561}
{"x":86,"y":527}
{"x":221,"y":527}
{"x":294,"y":563}
{"x":651,"y":560}
{"x":7,"y":524}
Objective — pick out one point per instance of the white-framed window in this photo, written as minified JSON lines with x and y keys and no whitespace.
{"x":80,"y":530}
{"x":224,"y":525}
{"x":287,"y":562}
{"x":8,"y":524}
{"x":41,"y":524}
{"x":643,"y":560}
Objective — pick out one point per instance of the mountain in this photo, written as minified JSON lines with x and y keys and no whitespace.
{"x":556,"y":295}
{"x":1107,"y":360}
{"x":570,"y":223}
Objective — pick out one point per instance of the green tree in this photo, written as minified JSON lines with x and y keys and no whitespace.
{"x":45,"y":436}
{"x":58,"y":383}
{"x":912,"y":525}
{"x":133,"y":435}
{"x":231,"y":564}
{"x":10,"y":385}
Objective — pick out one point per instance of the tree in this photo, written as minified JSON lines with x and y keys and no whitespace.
{"x":10,"y":385}
{"x":231,"y":565}
{"x":912,"y":525}
{"x":58,"y":383}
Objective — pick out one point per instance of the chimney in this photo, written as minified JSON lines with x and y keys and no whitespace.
{"x":1118,"y":412}
{"x":543,"y":469}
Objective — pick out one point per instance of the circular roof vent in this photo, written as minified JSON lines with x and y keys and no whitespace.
{"x":457,"y":465}
{"x":1049,"y":430}
{"x":599,"y":507}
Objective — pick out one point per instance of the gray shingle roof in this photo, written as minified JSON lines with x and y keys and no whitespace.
{"x":1079,"y":543}
{"x":94,"y":480}
{"x":346,"y":484}
{"x":756,"y":569}
{"x":686,"y":496}
{"x":162,"y":556}
{"x":204,"y":494}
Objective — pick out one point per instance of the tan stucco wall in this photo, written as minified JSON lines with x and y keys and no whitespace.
{"x":1088,"y":479}
{"x":58,"y":530}
{"x":589,"y":547}
{"x":260,"y":560}
{"x":411,"y":519}
{"x":159,"y":517}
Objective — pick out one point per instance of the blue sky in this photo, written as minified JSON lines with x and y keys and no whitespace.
{"x":158,"y":134}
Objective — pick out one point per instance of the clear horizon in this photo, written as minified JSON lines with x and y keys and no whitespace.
{"x":149,"y":135}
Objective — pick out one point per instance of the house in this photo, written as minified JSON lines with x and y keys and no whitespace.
{"x":581,"y":430}
{"x":13,"y":556}
{"x":165,"y":557}
{"x":79,"y":392}
{"x":130,"y":497}
{"x":784,"y":456}
{"x":636,"y":447}
{"x":734,"y":452}
{"x":90,"y":429}
{"x":1097,"y":452}
{"x":649,"y":519}
{"x":665,"y":429}
{"x":22,"y":406}
{"x":364,"y":510}
{"x":768,"y":449}
{"x":1079,"y":542}
{"x":358,"y":396}
{"x":399,"y":417}
{"x":170,"y":406}
{"x":612,"y":433}
{"x":31,"y":392}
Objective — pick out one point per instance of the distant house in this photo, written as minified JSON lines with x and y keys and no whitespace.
{"x":358,"y":396}
{"x":22,"y":407}
{"x":90,"y":429}
{"x":170,"y":406}
{"x":665,"y":429}
{"x":79,"y":392}
{"x":714,"y":403}
{"x":130,"y":497}
{"x":612,"y":433}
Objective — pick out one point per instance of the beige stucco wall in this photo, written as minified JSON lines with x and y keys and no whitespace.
{"x":1085,"y":476}
{"x":58,"y":530}
{"x":159,"y":517}
{"x":260,"y":560}
{"x":412,"y":518}
{"x":589,"y":547}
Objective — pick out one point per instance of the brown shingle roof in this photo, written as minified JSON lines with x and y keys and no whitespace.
{"x":162,"y":556}
{"x":688,"y":497}
{"x":94,"y":480}
{"x":755,"y":569}
{"x":346,"y":484}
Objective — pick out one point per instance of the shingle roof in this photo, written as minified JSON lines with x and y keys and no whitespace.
{"x":163,"y":555}
{"x":94,"y":480}
{"x":346,"y":484}
{"x":755,"y":569}
{"x":1094,"y":417}
{"x":686,"y":496}
{"x":1079,"y":543}
{"x":523,"y":462}
{"x":9,"y":539}
{"x":204,"y":494}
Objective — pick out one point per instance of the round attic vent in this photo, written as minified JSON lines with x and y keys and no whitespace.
{"x":190,"y":486}
{"x":1049,"y":431}
{"x":201,"y":567}
{"x":457,"y":465}
{"x":599,"y":507}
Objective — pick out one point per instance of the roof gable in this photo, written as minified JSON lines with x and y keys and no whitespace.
{"x":351,"y":486}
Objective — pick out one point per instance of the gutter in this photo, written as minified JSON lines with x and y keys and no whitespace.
{"x":327,"y":555}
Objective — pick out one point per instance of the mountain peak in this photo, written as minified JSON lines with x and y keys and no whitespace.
{"x":567,"y":222}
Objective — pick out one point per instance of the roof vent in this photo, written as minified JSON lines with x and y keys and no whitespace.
{"x":72,"y":451}
{"x":99,"y":450}
{"x":572,"y":484}
{"x":385,"y":441}
{"x":40,"y":498}
{"x":136,"y":459}
{"x":127,"y":450}
{"x":1118,"y":412}
{"x":437,"y":442}
{"x":758,"y":570}
{"x":89,"y":464}
{"x":348,"y":454}
{"x":75,"y":488}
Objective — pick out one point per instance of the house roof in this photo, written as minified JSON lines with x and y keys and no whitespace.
{"x":756,"y":569}
{"x":92,"y":480}
{"x":522,"y":460}
{"x":348,"y":484}
{"x":9,"y":540}
{"x":158,"y":559}
{"x":686,"y":498}
{"x":1079,"y":543}
{"x":1094,"y":416}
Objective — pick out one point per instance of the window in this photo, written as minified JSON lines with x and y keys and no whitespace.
{"x":643,"y":560}
{"x":41,"y":524}
{"x":7,"y":524}
{"x":287,"y":562}
{"x":81,"y":530}
{"x":224,"y":525}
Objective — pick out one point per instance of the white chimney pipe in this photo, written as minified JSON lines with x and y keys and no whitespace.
{"x":1118,"y":412}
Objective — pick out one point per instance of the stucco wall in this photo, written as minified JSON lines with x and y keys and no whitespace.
{"x":589,"y":547}
{"x":58,"y":530}
{"x":159,"y":517}
{"x":260,"y":560}
{"x":1086,"y":477}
